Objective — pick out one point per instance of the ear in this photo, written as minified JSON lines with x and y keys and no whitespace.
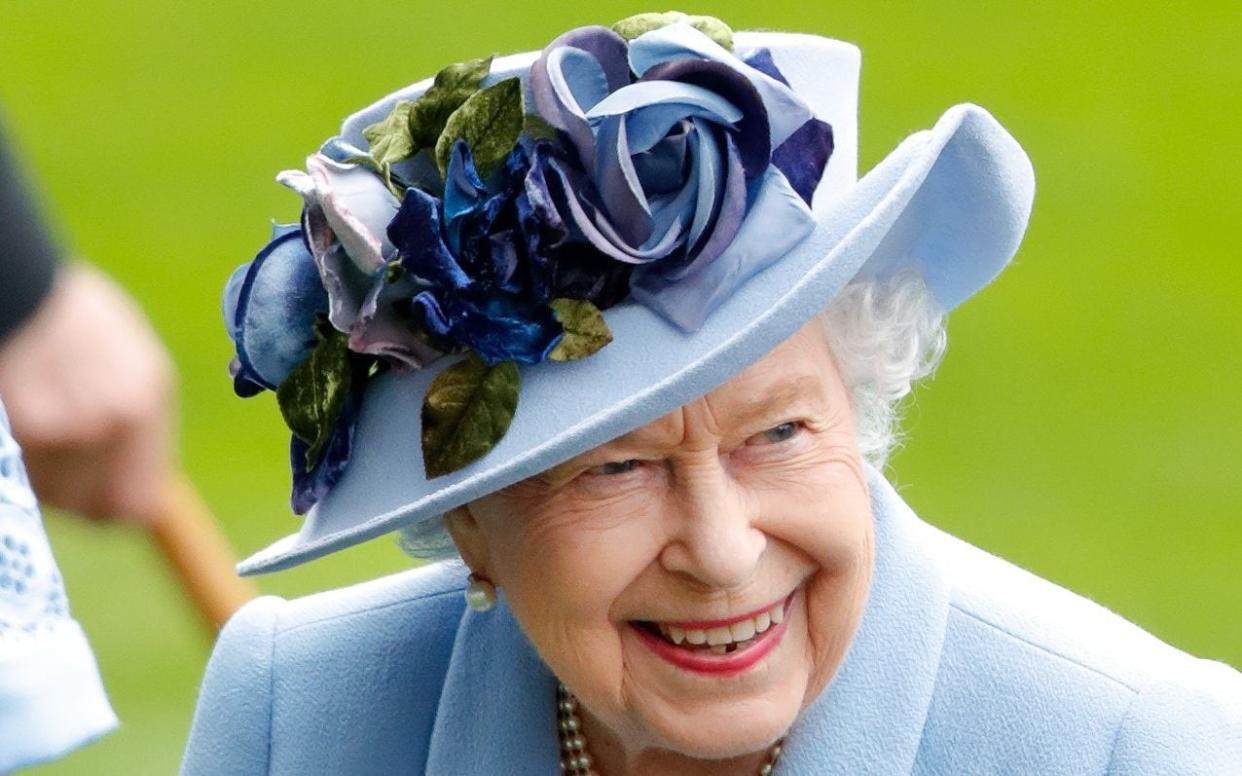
{"x":471,"y":542}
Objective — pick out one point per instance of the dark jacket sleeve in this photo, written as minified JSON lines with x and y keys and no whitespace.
{"x":28,"y":250}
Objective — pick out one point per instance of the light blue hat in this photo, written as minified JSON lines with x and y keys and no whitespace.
{"x":952,"y":201}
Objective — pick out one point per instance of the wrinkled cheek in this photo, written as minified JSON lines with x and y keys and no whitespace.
{"x":586,"y":655}
{"x":835,"y":604}
{"x":827,"y":530}
{"x":567,"y":602}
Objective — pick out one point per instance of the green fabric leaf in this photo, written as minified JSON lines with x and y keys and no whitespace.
{"x":312,"y":396}
{"x":489,"y":121}
{"x":367,"y":161}
{"x":585,"y":329}
{"x":393,"y":271}
{"x":467,"y":410}
{"x":452,"y":87}
{"x":413,"y":125}
{"x":633,"y":26}
{"x":390,"y":139}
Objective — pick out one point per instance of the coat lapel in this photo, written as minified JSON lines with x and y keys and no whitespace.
{"x":496,"y":708}
{"x":870,"y":719}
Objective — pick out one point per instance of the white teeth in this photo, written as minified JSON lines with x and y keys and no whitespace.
{"x":719,"y":636}
{"x":741,"y":631}
{"x":718,"y":649}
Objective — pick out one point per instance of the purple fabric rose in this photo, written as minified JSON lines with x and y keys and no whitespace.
{"x":671,"y":141}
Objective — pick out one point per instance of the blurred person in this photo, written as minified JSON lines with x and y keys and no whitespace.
{"x":89,"y":389}
{"x":88,"y":385}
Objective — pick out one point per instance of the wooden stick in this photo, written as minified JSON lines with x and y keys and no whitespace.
{"x":199,"y":553}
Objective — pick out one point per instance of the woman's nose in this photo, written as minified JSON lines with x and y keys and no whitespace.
{"x":712,"y":534}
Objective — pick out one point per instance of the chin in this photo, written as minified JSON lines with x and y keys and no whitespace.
{"x":730,"y":728}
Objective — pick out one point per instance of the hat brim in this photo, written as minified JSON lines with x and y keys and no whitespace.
{"x":952,"y":201}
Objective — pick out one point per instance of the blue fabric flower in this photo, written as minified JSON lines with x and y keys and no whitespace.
{"x":569,"y":268}
{"x":270,"y":306}
{"x":489,"y":270}
{"x":666,"y":170}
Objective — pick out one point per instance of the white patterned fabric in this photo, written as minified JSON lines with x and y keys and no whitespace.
{"x":51,"y":696}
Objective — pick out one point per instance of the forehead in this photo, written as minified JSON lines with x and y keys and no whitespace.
{"x":802,"y":364}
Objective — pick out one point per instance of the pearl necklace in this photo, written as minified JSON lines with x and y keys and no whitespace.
{"x":576,"y":760}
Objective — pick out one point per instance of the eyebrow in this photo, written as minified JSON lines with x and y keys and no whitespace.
{"x":775,"y":399}
{"x":780,"y":397}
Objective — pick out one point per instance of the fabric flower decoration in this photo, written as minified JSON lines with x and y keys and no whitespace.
{"x":270,"y":306}
{"x":486,"y":293}
{"x":495,"y":256}
{"x":670,"y":169}
{"x":659,"y":167}
{"x":348,"y":208}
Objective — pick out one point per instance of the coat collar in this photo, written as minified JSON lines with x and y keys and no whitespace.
{"x":870,"y":719}
{"x":496,"y":706}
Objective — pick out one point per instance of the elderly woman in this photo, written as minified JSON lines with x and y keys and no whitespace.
{"x":679,"y":554}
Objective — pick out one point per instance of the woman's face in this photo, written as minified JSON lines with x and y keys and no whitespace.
{"x":741,"y":519}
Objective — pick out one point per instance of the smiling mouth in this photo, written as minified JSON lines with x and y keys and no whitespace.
{"x":721,"y":638}
{"x":717,"y":646}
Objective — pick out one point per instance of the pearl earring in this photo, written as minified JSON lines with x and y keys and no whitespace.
{"x":480,"y":593}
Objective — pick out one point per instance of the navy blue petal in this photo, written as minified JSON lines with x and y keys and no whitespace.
{"x":503,"y":253}
{"x":762,"y":61}
{"x":499,"y":328}
{"x":540,"y":222}
{"x":751,"y":133}
{"x":434,"y":316}
{"x":464,"y":193}
{"x":417,"y":233}
{"x":804,"y":155}
{"x":245,"y":384}
{"x":581,"y":272}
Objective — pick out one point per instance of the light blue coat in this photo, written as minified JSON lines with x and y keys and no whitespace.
{"x":963,"y":664}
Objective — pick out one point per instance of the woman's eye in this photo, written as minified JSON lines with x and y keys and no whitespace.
{"x":613,"y":468}
{"x":775,"y":435}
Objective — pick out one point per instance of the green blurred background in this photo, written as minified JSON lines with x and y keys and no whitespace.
{"x":1085,"y":423}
